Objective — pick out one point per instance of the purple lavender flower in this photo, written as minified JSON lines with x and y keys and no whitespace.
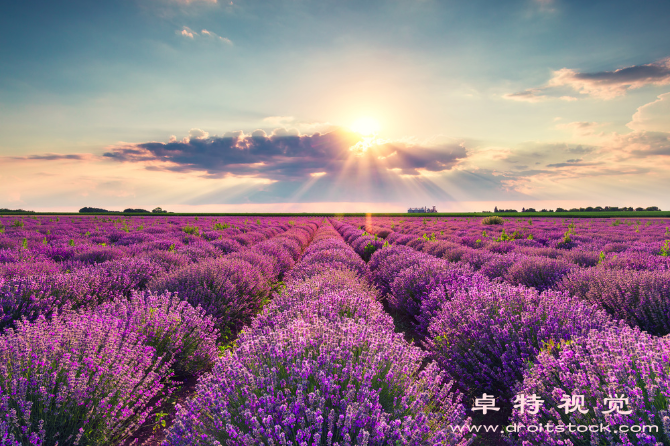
{"x":611,"y":377}
{"x":485,"y":335}
{"x":77,"y":379}
{"x":231,"y":290}
{"x":322,"y":383}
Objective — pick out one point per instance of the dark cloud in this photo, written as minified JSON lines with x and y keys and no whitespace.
{"x":284,"y":155}
{"x":51,"y":157}
{"x":609,"y":84}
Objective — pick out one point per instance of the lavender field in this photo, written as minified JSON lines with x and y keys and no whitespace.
{"x":333,"y":331}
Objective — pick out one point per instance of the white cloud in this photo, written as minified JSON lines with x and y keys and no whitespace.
{"x":216,"y":36}
{"x":654,"y":116}
{"x":187,"y":32}
{"x":197,"y":134}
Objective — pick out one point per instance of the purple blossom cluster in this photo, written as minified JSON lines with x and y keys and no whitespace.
{"x":641,"y":298}
{"x":176,"y":330}
{"x":415,"y":284}
{"x":233,"y":288}
{"x":612,"y":377}
{"x":484,"y":336}
{"x":321,"y":365}
{"x":78,"y":378}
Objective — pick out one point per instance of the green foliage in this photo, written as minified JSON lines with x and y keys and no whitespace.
{"x":530,"y":237}
{"x":160,"y":420}
{"x":429,"y":238}
{"x":568,"y":233}
{"x":484,"y":234}
{"x":18,"y":224}
{"x":220,"y":226}
{"x":171,"y":248}
{"x":665,"y":250}
{"x":493,"y":220}
{"x":601,"y":257}
{"x":553,"y":347}
{"x":370,"y":249}
{"x":386,"y":244}
{"x":193,"y":230}
{"x":24,"y":243}
{"x":2,"y":228}
{"x":44,"y":241}
{"x":71,"y":242}
{"x":504,"y":237}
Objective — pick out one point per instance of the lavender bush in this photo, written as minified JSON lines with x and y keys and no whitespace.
{"x":76,"y":379}
{"x":321,"y":384}
{"x":331,"y":295}
{"x":618,"y":362}
{"x":175,"y":329}
{"x":485,"y":335}
{"x":231,"y":290}
{"x":641,"y":298}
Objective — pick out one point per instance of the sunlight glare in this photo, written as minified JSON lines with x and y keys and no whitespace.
{"x":365,"y":126}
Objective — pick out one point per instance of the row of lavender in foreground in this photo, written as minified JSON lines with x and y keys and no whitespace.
{"x":82,"y":363}
{"x":321,"y":365}
{"x":533,"y":350}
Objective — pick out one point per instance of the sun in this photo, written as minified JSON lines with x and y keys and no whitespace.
{"x":365,"y":126}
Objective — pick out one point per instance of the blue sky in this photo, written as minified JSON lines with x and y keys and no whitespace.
{"x":256,"y":105}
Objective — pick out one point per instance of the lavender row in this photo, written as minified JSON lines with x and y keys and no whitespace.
{"x":544,"y":348}
{"x":93,"y":376}
{"x":481,"y":332}
{"x":641,"y":296}
{"x":86,"y":286}
{"x":321,"y":365}
{"x":30,"y":246}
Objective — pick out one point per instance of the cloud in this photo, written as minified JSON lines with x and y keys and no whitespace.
{"x":582,"y":128}
{"x":639,"y":145}
{"x":654,"y":116}
{"x":286,"y":155}
{"x":530,"y":95}
{"x":197,"y":134}
{"x":216,"y":36}
{"x":187,"y":32}
{"x":52,"y":157}
{"x":535,"y":95}
{"x":610,"y":84}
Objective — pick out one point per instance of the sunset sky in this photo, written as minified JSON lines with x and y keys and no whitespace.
{"x":348,"y":105}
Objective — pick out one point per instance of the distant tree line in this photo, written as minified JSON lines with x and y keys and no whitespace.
{"x":90,"y":210}
{"x":587,"y":209}
{"x":15,"y":210}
